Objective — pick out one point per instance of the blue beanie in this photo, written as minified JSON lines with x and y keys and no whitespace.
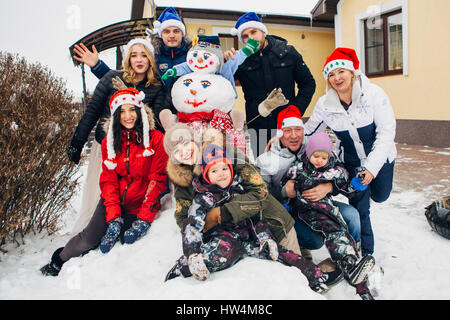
{"x":168,"y":18}
{"x":248,"y":20}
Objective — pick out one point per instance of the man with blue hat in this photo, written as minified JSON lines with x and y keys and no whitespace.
{"x":170,"y":42}
{"x":276,"y":65}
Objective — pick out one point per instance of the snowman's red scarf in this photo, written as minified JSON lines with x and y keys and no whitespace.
{"x":195,"y":116}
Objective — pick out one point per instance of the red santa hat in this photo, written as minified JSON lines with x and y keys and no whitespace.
{"x":121,"y":97}
{"x":345,"y":58}
{"x":289,"y":117}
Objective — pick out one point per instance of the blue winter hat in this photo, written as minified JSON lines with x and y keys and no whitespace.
{"x":248,"y":20}
{"x":168,"y":18}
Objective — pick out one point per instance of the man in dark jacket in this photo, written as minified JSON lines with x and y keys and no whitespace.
{"x":275,"y":65}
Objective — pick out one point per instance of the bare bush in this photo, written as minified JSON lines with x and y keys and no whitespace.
{"x":37,"y":120}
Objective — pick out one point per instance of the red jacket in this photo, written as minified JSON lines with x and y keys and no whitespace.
{"x":135,"y":185}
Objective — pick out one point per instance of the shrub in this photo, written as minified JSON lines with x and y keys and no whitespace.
{"x":37,"y":120}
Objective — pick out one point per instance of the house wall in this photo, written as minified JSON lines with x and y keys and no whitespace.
{"x":419,"y":98}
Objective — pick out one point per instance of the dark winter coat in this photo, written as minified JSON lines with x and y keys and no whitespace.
{"x":278,"y":65}
{"x":98,"y":109}
{"x":136,"y":184}
{"x":165,"y":57}
{"x":255,"y":199}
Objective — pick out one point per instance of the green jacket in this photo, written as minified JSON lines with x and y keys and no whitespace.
{"x":256,"y":200}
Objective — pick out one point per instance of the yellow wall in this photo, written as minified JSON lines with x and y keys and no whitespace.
{"x":422,"y":95}
{"x":314,"y":48}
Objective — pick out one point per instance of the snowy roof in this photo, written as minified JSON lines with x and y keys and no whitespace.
{"x":280,"y":7}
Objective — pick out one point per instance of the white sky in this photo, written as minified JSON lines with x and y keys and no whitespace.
{"x":42,"y":31}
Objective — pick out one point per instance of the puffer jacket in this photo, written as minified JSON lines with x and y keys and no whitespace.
{"x":365,"y":132}
{"x":242,"y":206}
{"x":134,"y":187}
{"x":98,"y":109}
{"x":274,"y":165}
{"x":278,"y":65}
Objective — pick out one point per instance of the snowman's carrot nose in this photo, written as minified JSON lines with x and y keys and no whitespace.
{"x":200,"y":60}
{"x":193,"y":92}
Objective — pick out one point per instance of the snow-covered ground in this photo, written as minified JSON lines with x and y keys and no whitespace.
{"x":415,"y":259}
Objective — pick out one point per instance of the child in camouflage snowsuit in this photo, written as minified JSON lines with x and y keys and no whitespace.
{"x":226,"y":243}
{"x":316,"y":166}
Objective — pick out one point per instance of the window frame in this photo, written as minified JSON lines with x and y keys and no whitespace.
{"x":386,"y":72}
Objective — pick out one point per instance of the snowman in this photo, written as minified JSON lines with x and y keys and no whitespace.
{"x":204,"y":95}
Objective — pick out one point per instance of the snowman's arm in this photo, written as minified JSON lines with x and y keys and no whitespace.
{"x":230,"y":67}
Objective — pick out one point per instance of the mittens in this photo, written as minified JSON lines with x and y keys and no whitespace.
{"x":111,"y":235}
{"x":138,"y":229}
{"x":198,"y":267}
{"x":251,"y":47}
{"x":356,"y":181}
{"x":275,"y":99}
{"x":74,"y":153}
{"x":169,"y":73}
{"x":271,"y":246}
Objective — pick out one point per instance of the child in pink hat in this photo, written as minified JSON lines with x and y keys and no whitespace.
{"x":319,"y":165}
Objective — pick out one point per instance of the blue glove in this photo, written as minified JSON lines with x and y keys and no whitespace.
{"x":138,"y":229}
{"x":356,"y":181}
{"x":111,"y":235}
{"x":287,"y":207}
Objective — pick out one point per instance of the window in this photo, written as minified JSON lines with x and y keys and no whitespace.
{"x":383,"y":45}
{"x":227,"y":41}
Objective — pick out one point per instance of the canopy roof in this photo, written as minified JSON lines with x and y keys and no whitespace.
{"x":114,"y":35}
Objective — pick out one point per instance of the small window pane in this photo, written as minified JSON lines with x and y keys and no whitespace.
{"x":375,"y":47}
{"x":395,"y":47}
{"x":226,"y":43}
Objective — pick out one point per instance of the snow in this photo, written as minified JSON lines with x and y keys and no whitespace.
{"x":414,"y":258}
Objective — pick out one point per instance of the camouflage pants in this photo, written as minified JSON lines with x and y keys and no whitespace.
{"x":223,"y":248}
{"x":324,"y":217}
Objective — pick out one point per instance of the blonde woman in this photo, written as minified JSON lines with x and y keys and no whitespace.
{"x":139,"y":71}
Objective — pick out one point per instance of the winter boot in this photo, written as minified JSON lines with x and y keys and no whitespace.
{"x":138,"y":229}
{"x":355,"y":272}
{"x":306,"y":253}
{"x":363,"y":291}
{"x":55,"y":265}
{"x":319,"y":283}
{"x":198,"y":267}
{"x":111,"y":235}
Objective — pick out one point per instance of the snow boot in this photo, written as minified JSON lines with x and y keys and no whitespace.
{"x":198,"y":267}
{"x":363,"y":291}
{"x":319,"y":283}
{"x":355,"y":272}
{"x":111,"y":235}
{"x":138,"y":229}
{"x":55,"y":265}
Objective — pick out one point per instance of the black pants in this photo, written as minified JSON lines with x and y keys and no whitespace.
{"x":91,"y":236}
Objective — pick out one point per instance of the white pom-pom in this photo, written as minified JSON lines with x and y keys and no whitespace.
{"x":279,"y":133}
{"x":148,"y":153}
{"x":141,"y":95}
{"x":110,"y":165}
{"x":156,"y":24}
{"x":234,"y":31}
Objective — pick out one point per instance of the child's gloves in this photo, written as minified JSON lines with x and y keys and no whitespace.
{"x":271,"y":246}
{"x":198,"y":267}
{"x":275,"y":99}
{"x":169,"y":73}
{"x":251,"y":47}
{"x":111,"y":235}
{"x":356,"y":181}
{"x":138,"y":229}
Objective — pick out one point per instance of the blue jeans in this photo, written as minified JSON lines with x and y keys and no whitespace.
{"x":312,"y":240}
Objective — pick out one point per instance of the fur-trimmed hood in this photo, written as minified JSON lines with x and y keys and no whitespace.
{"x":150,"y":116}
{"x":183,"y":175}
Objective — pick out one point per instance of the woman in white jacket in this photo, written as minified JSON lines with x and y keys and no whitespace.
{"x":361,"y":116}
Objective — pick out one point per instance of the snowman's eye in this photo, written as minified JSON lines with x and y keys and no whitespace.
{"x":206,"y":56}
{"x":187,"y":82}
{"x":205,"y":84}
{"x":194,"y":54}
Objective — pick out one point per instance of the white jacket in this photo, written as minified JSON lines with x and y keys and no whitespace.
{"x":365,"y":132}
